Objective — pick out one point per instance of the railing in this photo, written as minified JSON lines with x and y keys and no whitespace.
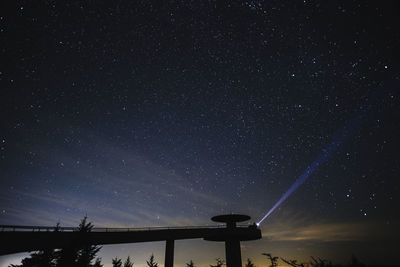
{"x":19,"y":228}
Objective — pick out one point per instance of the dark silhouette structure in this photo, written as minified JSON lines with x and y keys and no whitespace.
{"x":30,"y":238}
{"x":231,"y":237}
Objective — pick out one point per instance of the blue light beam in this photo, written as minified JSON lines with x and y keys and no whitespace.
{"x":351,"y":127}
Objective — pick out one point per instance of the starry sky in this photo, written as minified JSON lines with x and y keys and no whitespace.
{"x":137,"y":113}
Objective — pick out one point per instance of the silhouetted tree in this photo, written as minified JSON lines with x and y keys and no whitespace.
{"x":44,"y":258}
{"x":151,"y":262}
{"x":116,"y":262}
{"x":98,"y":263}
{"x":219,"y":263}
{"x":128,"y":262}
{"x":249,"y":263}
{"x":274,"y":260}
{"x":355,"y":262}
{"x":294,"y":263}
{"x":77,"y":255}
{"x":190,"y":264}
{"x":66,"y":257}
{"x":86,"y":254}
{"x":320,"y":262}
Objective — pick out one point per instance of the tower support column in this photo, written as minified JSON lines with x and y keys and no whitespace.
{"x":232,"y":253}
{"x":169,"y":253}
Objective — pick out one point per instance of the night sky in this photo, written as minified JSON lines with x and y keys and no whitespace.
{"x":137,"y":113}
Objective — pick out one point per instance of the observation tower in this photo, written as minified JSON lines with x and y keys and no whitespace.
{"x":31,"y":238}
{"x":233,"y":235}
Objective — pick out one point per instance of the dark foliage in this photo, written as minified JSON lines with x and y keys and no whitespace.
{"x":219,"y":263}
{"x":116,"y":262}
{"x":73,"y":256}
{"x":98,"y":263}
{"x":294,"y":263}
{"x":249,"y":263}
{"x":87,"y":254}
{"x":44,"y":258}
{"x":190,"y":264}
{"x":273,"y":260}
{"x":151,"y":262}
{"x":128,"y":262}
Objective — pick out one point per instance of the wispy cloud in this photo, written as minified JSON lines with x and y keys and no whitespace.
{"x":323,"y":232}
{"x":122,"y":188}
{"x":115,"y":216}
{"x":295,"y":226}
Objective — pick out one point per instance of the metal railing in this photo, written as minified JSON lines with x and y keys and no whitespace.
{"x":24,"y":228}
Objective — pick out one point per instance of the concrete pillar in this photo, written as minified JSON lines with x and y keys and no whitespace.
{"x":169,"y":253}
{"x":232,"y":253}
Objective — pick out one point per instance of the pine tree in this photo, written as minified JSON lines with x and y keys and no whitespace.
{"x":293,"y":263}
{"x":116,"y":262}
{"x":78,"y":255}
{"x":249,"y":263}
{"x":44,"y":258}
{"x":66,"y":257}
{"x":98,"y":263}
{"x":86,"y":255}
{"x":190,"y":264}
{"x":151,"y":262}
{"x":274,"y":260}
{"x":128,"y":262}
{"x":72,"y":256}
{"x":219,"y":263}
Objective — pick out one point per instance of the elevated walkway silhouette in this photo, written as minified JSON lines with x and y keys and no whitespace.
{"x":16,"y":239}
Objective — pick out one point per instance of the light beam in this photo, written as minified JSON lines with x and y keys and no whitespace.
{"x":348,"y":130}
